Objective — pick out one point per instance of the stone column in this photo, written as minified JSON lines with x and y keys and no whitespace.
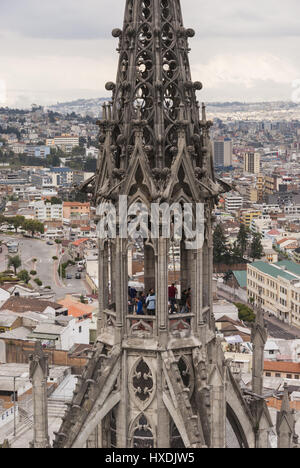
{"x":259,"y":337}
{"x":113,"y":272}
{"x":184,"y":267}
{"x":163,"y":416}
{"x":121,"y":293}
{"x":38,"y":373}
{"x":285,"y":423}
{"x":161,"y":289}
{"x":103,"y":283}
{"x":196,"y":286}
{"x":149,"y":268}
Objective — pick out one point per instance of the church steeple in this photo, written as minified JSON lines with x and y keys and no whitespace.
{"x":155,"y":379}
{"x":153,"y":74}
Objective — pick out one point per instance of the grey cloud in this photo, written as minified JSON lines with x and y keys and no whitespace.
{"x":90,"y":19}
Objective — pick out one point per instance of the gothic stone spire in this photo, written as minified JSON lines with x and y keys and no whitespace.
{"x":38,"y":373}
{"x":154,"y":100}
{"x":153,"y":74}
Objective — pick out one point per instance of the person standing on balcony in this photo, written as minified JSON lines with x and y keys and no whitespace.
{"x":172,"y":291}
{"x":151,"y":303}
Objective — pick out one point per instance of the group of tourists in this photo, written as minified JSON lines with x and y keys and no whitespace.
{"x":145,"y":304}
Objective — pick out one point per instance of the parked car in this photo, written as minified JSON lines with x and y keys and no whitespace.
{"x":69,"y":276}
{"x":50,"y":243}
{"x":80,"y":269}
{"x":78,"y":276}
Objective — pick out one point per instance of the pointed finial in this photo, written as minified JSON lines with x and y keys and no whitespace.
{"x":285,"y":406}
{"x":104,"y":113}
{"x":109,"y":111}
{"x":204,"y":120}
{"x":38,"y":349}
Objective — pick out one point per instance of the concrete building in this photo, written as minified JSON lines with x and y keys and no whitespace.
{"x":37,"y":151}
{"x":61,"y":176}
{"x":65,"y":142}
{"x":222,"y":150}
{"x":45,"y":211}
{"x":252,"y":163}
{"x":277,"y":286}
{"x":248,"y":216}
{"x":233,"y":201}
{"x":74,"y":211}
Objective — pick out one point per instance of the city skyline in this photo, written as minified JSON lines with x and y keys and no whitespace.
{"x":47,"y":58}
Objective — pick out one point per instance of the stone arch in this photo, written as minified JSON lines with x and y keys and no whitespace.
{"x":238,"y":414}
{"x":235,"y":436}
{"x":141,"y":432}
{"x":2,"y":352}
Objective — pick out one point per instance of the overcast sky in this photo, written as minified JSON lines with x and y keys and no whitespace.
{"x":57,"y":50}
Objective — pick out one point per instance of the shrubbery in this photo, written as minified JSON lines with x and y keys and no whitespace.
{"x":246,"y":314}
{"x":38,"y":282}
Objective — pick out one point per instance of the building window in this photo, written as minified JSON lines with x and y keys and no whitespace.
{"x":288,"y":376}
{"x":268,"y":374}
{"x":277,"y":375}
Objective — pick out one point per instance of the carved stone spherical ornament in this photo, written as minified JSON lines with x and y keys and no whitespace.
{"x":198,"y":85}
{"x":110,"y":86}
{"x":190,"y":32}
{"x":117,"y":32}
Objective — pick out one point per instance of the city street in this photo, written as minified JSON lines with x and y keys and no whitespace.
{"x":45,"y":266}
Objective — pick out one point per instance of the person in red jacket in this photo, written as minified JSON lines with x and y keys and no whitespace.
{"x":172,"y":297}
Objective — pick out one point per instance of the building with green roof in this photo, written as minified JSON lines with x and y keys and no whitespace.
{"x":276,"y":287}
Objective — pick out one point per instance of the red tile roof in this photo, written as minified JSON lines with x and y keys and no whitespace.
{"x":291,"y":367}
{"x":79,"y":242}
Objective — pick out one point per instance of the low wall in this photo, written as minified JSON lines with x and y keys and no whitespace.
{"x":18,"y":351}
{"x":223,"y":268}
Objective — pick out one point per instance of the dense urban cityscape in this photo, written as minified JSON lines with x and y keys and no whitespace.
{"x":150,"y":341}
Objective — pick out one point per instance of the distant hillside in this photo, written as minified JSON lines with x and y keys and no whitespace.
{"x":93,"y":107}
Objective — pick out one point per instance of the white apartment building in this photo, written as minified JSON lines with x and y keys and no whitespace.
{"x":233,"y":202}
{"x":44,"y":211}
{"x":66,"y":142}
{"x":92,"y":152}
{"x":277,"y":288}
{"x":292,"y":209}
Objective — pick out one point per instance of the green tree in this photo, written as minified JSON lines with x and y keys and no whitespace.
{"x":17,"y":221}
{"x":15,"y":262}
{"x":78,"y":151}
{"x":221,"y":251}
{"x":24,"y":276}
{"x":33,"y":226}
{"x":246,"y":314}
{"x":256,"y":248}
{"x":243,"y":239}
{"x":56,"y":201}
{"x":228,"y":276}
